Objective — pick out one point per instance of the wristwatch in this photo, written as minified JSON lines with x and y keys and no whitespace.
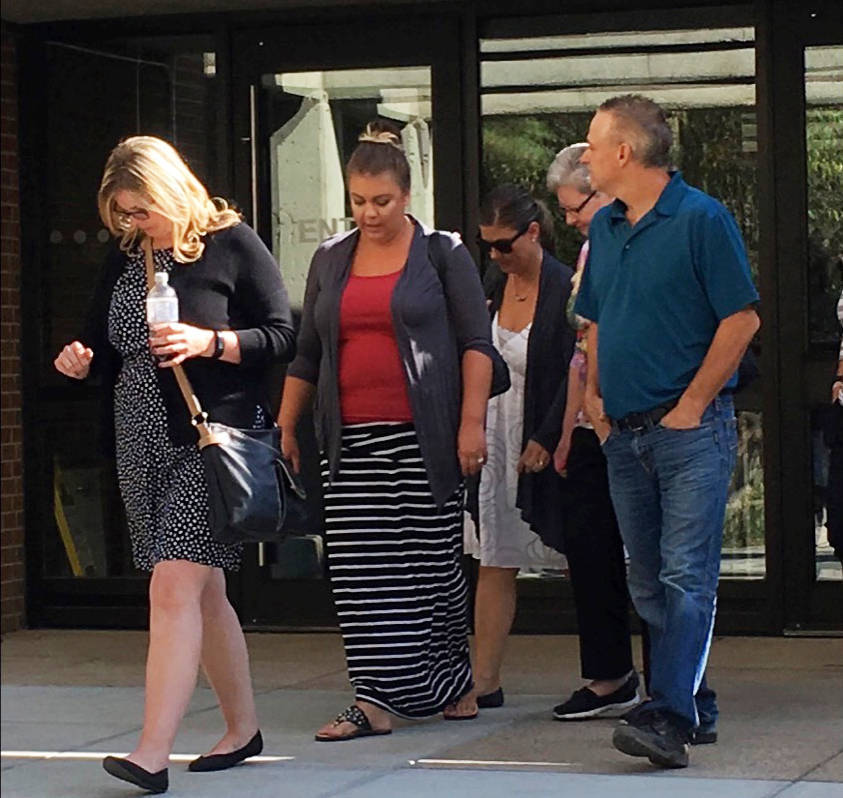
{"x":219,"y":346}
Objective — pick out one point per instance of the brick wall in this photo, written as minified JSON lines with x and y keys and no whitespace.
{"x":11,"y":509}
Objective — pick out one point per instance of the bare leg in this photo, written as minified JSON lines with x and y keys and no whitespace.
{"x":494,"y":611}
{"x":172,"y":664}
{"x":225,"y":660}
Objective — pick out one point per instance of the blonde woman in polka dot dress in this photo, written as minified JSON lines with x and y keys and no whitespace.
{"x":234,"y":322}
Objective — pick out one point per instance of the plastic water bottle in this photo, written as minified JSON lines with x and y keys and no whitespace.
{"x":162,"y":303}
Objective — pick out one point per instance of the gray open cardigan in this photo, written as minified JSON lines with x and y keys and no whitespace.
{"x":435,"y":319}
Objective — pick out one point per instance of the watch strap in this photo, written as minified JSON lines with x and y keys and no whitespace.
{"x":219,"y":346}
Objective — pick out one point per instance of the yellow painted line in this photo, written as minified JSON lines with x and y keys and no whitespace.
{"x":491,"y":763}
{"x":81,"y":755}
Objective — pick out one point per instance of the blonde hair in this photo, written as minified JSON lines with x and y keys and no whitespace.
{"x":150,"y":167}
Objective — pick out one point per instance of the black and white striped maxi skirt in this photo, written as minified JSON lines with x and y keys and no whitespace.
{"x":394,"y":564}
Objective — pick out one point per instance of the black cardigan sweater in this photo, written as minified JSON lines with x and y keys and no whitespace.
{"x":549,"y":348}
{"x":235,"y":285}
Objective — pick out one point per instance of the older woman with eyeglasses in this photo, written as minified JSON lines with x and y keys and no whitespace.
{"x":234,"y":323}
{"x":519,"y":500}
{"x":592,"y":539}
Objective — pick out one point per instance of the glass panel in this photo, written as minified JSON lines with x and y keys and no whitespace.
{"x":311,"y":122}
{"x":539,"y":94}
{"x":162,"y":87}
{"x":824,"y":143}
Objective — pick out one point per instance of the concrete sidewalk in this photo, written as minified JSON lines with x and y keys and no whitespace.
{"x":70,"y":697}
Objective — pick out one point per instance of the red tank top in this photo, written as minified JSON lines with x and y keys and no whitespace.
{"x":371,"y":376}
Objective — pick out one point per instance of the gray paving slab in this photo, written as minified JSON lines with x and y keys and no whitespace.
{"x":58,"y":736}
{"x":479,"y":784}
{"x":812,"y":789}
{"x":81,"y":692}
{"x":831,"y":770}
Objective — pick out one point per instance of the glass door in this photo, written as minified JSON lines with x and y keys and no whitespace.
{"x":807,"y":111}
{"x":303,"y":95}
{"x":824,"y":259}
{"x":541,"y":81}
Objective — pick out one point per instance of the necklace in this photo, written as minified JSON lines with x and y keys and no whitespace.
{"x":521,"y":297}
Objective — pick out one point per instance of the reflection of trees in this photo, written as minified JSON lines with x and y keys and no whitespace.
{"x":824,"y":139}
{"x":716,"y":150}
{"x":716,"y":153}
{"x":519,"y":149}
{"x":745,"y":508}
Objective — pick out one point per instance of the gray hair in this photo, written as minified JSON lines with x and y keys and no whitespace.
{"x":642,"y":124}
{"x":568,"y":170}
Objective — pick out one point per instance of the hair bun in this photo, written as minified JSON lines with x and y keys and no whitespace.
{"x":377,"y":133}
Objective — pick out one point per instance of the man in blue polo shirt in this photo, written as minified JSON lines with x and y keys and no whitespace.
{"x":668,"y":289}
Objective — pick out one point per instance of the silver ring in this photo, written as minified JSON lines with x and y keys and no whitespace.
{"x":481,"y":460}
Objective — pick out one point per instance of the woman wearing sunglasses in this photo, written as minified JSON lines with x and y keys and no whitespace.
{"x":520,"y":495}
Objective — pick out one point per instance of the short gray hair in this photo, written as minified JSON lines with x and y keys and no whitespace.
{"x":568,"y":170}
{"x":642,"y":124}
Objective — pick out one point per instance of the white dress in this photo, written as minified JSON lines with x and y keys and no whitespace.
{"x":505,"y":540}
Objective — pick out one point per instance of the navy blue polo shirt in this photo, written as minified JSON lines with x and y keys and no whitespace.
{"x":658,"y":291}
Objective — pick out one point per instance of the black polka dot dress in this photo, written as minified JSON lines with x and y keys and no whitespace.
{"x":163,"y":485}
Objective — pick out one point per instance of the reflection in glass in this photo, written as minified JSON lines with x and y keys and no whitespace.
{"x":743,"y":531}
{"x":163,"y":87}
{"x":826,"y":433}
{"x":538,"y":95}
{"x":313,"y":120}
{"x":824,"y":155}
{"x":824,"y":142}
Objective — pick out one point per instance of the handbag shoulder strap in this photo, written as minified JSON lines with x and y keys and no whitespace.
{"x":198,"y":416}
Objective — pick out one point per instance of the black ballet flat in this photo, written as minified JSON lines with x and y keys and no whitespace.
{"x":491,"y":700}
{"x":206,"y":764}
{"x":135,"y":774}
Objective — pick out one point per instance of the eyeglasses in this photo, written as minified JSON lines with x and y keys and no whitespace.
{"x":140,"y":215}
{"x":580,"y":206}
{"x":502,"y":245}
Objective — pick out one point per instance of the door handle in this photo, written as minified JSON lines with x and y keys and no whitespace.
{"x":261,"y":555}
{"x":253,"y":150}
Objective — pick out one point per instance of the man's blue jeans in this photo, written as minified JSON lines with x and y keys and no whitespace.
{"x":669,"y":489}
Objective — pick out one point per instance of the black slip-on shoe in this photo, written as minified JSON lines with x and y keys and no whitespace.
{"x":135,"y":774}
{"x":584,"y":703}
{"x":491,"y":700}
{"x":206,"y":764}
{"x":656,"y":737}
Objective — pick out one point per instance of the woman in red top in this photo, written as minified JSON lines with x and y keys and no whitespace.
{"x":397,"y":353}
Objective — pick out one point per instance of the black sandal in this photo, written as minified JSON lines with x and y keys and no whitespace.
{"x":357,"y":717}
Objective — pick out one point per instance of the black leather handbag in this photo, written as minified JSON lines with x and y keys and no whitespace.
{"x":253,"y":494}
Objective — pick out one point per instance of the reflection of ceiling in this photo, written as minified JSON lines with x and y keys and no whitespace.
{"x":403,"y":92}
{"x":633,"y":68}
{"x":575,"y":73}
{"x":357,"y":84}
{"x":574,"y":100}
{"x":621,"y":39}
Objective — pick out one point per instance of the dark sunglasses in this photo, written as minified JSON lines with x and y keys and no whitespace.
{"x":580,"y":206}
{"x":502,"y":245}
